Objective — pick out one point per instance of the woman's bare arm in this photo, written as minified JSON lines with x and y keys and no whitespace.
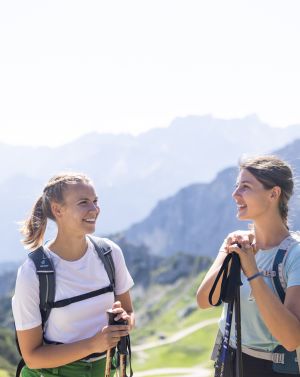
{"x":208,"y":281}
{"x":37,"y":355}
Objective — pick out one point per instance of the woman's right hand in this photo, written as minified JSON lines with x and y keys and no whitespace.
{"x":209,"y":279}
{"x":108,"y":337}
{"x":236,"y":236}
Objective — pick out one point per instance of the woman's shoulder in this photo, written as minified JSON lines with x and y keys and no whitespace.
{"x":296,"y":236}
{"x":26,"y":272}
{"x":293,"y":255}
{"x":27,"y":265}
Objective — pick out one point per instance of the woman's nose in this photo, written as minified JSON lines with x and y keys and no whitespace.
{"x":94,"y":207}
{"x":235,"y":192}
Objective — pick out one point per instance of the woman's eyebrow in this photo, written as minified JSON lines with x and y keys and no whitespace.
{"x":86,"y":198}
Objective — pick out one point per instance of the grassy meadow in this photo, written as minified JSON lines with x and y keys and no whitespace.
{"x":163,"y":312}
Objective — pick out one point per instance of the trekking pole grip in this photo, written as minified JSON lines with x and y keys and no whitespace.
{"x":122,"y":344}
{"x":110,"y":352}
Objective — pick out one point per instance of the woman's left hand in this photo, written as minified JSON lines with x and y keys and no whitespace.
{"x":246,"y":251}
{"x":120,"y":313}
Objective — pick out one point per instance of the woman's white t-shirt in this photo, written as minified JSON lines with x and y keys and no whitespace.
{"x":79,"y":320}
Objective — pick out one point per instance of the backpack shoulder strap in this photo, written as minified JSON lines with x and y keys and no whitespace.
{"x":278,"y":273}
{"x":45,"y":271}
{"x":278,"y":276}
{"x":104,"y":252}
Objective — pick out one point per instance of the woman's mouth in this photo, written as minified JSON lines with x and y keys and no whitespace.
{"x":90,"y":220}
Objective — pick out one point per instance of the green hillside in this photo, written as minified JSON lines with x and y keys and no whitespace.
{"x":164,"y":312}
{"x":9,"y":356}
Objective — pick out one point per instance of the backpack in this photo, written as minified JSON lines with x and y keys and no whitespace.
{"x":46,"y":274}
{"x":287,"y":362}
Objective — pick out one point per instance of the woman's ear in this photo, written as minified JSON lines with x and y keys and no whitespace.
{"x":56,"y":209}
{"x":275,"y":192}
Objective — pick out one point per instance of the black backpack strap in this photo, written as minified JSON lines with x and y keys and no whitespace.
{"x":279,"y":257}
{"x":45,"y":271}
{"x":104,"y":252}
{"x":277,"y":273}
{"x":84,"y":296}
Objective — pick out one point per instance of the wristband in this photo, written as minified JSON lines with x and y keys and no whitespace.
{"x":254,"y":276}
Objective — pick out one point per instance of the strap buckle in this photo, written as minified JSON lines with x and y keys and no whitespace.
{"x":278,"y":358}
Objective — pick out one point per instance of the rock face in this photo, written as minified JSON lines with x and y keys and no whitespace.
{"x":199,"y":216}
{"x":195,"y":220}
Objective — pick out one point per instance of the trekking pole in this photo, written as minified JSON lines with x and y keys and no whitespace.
{"x":230,"y":272}
{"x":110,"y":352}
{"x":122,"y":347}
{"x":238,"y":335}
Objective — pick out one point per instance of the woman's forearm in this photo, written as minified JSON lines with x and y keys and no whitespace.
{"x":37,"y":355}
{"x":52,"y":356}
{"x":282,"y":323}
{"x":208,"y":281}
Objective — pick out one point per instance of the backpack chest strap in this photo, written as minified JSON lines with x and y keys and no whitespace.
{"x":84,"y":296}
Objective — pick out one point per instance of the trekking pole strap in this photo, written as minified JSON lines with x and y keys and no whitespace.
{"x":231,"y":280}
{"x":230,"y":272}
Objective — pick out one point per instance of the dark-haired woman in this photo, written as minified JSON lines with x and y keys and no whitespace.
{"x":264,"y":187}
{"x":74,"y":333}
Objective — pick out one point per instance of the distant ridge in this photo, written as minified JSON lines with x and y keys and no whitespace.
{"x":131,"y":173}
{"x":198,"y":217}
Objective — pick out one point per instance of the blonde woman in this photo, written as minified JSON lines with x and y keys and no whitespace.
{"x":75,"y":337}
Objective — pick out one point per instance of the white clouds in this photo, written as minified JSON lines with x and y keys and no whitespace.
{"x":69,"y":67}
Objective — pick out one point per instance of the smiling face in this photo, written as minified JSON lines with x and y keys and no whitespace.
{"x":79,"y":211}
{"x":252,"y":199}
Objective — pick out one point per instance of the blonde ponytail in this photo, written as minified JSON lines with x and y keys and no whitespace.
{"x":34,"y":227}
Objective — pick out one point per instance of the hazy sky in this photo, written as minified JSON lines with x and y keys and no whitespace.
{"x":69,"y":67}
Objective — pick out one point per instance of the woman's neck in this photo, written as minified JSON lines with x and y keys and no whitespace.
{"x":270,"y":234}
{"x":69,"y":248}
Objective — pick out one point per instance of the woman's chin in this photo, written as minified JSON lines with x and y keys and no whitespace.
{"x":242,"y":216}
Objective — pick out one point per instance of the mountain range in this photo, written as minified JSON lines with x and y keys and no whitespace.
{"x":132,"y":173}
{"x":199,"y":216}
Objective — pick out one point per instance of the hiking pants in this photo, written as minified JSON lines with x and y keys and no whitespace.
{"x":75,"y":369}
{"x":252,"y":367}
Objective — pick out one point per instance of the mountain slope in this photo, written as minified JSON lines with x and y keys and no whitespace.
{"x":199,"y":216}
{"x":132,"y":173}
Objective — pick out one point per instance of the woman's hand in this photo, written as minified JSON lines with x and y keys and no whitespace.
{"x":120,"y":313}
{"x":233,"y":237}
{"x":108,"y":337}
{"x":111,"y":334}
{"x":243,"y":246}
